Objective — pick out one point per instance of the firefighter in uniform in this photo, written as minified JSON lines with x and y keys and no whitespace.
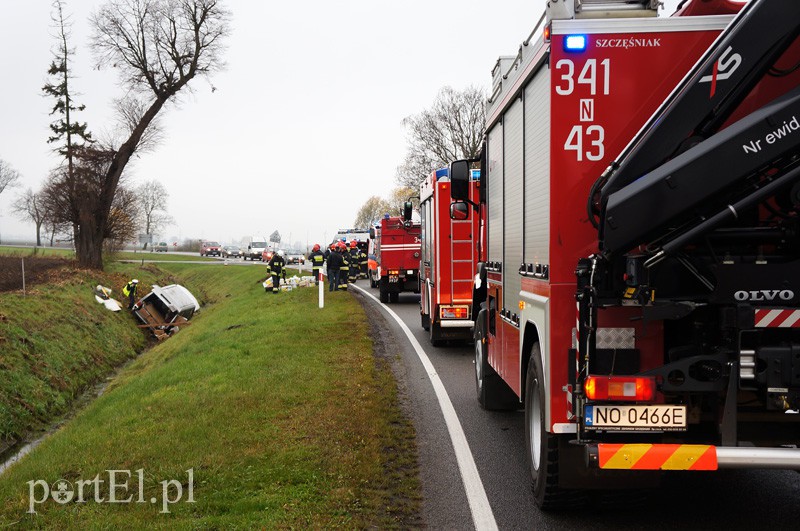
{"x":355,"y":261}
{"x":275,"y":268}
{"x":316,"y":258}
{"x":344,"y":271}
{"x":363,"y":261}
{"x":333,"y":260}
{"x":129,"y":290}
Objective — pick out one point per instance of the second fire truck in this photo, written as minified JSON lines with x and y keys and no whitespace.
{"x":449,"y":257}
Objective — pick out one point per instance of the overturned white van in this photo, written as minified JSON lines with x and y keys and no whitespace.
{"x":165,"y":309}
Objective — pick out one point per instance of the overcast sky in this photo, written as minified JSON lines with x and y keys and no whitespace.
{"x":304,"y":124}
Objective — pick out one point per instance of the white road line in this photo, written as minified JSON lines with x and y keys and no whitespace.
{"x":482,"y":515}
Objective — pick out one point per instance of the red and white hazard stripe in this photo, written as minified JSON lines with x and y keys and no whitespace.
{"x":400,"y":246}
{"x":777,"y":318}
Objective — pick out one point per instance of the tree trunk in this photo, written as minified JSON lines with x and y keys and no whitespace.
{"x":89,"y":242}
{"x":39,"y":234}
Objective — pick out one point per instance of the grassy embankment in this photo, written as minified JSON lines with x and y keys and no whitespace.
{"x":280,"y":410}
{"x":60,"y":252}
{"x":55,"y":342}
{"x":10,"y":250}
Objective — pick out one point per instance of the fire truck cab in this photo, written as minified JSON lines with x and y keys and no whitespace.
{"x":640,"y":205}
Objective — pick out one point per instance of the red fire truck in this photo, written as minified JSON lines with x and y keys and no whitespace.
{"x":397,"y":250}
{"x":449,"y":258}
{"x":643,"y":310}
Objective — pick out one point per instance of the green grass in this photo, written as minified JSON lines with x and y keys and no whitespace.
{"x":8,"y":250}
{"x":160,"y":257}
{"x":280,"y":409}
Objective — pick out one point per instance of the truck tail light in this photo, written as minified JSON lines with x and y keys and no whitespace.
{"x":454,"y":312}
{"x":394,"y":272}
{"x":632,"y":388}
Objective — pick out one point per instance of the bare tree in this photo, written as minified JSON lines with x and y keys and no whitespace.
{"x":451,"y":129}
{"x":371,"y":212}
{"x":30,"y":207}
{"x":399,"y":196}
{"x":158,"y":47}
{"x":123,"y":223}
{"x":53,"y":230}
{"x":75,"y":200}
{"x":58,"y":205}
{"x":8,"y":176}
{"x":152,"y":198}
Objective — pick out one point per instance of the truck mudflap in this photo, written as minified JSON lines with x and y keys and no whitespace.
{"x":688,"y":457}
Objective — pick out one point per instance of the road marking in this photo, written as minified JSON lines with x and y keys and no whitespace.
{"x":482,"y":515}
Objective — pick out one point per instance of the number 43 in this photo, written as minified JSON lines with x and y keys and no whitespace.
{"x":592,"y":137}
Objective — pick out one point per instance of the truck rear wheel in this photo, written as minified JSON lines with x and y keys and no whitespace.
{"x":394,"y":296}
{"x":493,"y":393}
{"x":435,"y":335}
{"x":542,"y":447}
{"x":384,"y":290}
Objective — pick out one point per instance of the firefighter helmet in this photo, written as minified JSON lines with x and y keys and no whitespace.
{"x":315,"y":248}
{"x":353,"y":244}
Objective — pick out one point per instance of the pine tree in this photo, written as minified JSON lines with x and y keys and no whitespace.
{"x":66,"y":130}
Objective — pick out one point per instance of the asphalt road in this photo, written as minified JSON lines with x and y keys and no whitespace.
{"x":727,"y":499}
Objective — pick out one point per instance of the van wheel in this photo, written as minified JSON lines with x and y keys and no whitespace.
{"x":493,"y":393}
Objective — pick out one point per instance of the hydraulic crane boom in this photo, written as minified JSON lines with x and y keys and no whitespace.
{"x":681,"y":171}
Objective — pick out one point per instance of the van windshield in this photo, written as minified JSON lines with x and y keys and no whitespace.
{"x":258,"y":244}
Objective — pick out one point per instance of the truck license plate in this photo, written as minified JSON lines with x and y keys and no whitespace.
{"x":393,"y":279}
{"x":635,"y":418}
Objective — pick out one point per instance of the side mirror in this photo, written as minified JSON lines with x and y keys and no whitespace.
{"x":372,"y":234}
{"x":459,"y":180}
{"x":407,"y":211}
{"x":459,"y":211}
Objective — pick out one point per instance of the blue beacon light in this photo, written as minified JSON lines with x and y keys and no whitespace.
{"x":575,"y":43}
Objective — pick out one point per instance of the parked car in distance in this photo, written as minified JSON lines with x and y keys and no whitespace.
{"x":255,"y":248}
{"x":231,"y":251}
{"x":210,"y":249}
{"x":295,"y":257}
{"x":160,"y":247}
